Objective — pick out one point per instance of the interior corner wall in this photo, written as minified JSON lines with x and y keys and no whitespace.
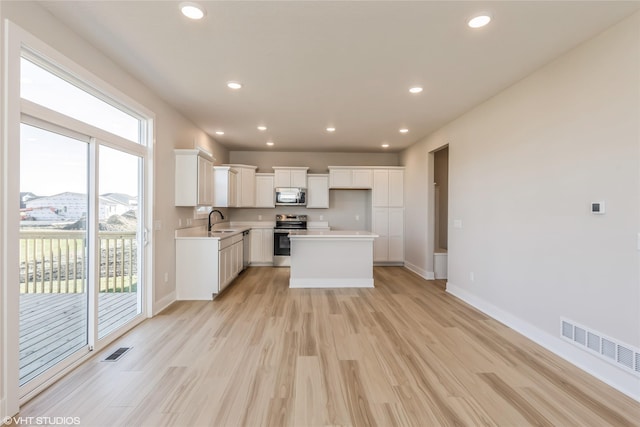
{"x":172,"y":130}
{"x":524,"y":168}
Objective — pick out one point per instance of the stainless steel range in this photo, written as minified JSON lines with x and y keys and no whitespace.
{"x":281,"y":243}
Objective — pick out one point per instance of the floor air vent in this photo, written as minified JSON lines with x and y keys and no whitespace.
{"x":619,"y":354}
{"x":116,"y":354}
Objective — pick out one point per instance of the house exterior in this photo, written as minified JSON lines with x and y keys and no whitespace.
{"x":70,"y":206}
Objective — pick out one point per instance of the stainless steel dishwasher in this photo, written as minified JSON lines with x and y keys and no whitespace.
{"x":246,"y":249}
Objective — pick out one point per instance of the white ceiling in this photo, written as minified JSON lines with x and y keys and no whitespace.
{"x":307,"y":65}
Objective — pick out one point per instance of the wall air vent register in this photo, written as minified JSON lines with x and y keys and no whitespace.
{"x":619,"y":354}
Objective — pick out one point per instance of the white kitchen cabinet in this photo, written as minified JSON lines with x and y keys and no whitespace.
{"x":350,"y":177}
{"x":261,"y":246}
{"x":193,"y":178}
{"x":388,"y":188}
{"x":388,"y":223}
{"x":230,"y":260}
{"x":225,"y":190}
{"x":388,"y":214}
{"x":205,"y":266}
{"x":264,"y":190}
{"x":290,"y":176}
{"x":245,"y":185}
{"x":318,"y":191}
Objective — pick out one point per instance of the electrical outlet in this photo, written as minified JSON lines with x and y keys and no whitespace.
{"x":189,"y":221}
{"x":357,"y":217}
{"x":321,"y":217}
{"x":166,"y":277}
{"x":472,"y":277}
{"x":457,"y":223}
{"x":259,"y":217}
{"x":157,"y":225}
{"x":179,"y":222}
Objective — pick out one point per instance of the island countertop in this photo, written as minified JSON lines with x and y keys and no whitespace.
{"x":332,"y":234}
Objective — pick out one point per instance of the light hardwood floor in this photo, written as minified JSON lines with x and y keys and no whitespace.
{"x":261,"y":354}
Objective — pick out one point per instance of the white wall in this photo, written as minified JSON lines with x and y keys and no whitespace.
{"x":523,"y":170}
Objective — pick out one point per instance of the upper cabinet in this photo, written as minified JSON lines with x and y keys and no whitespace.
{"x":225,"y":192}
{"x":264,"y":190}
{"x":290,"y":176}
{"x":318,"y":191}
{"x":194,"y":178}
{"x":350,"y":177}
{"x":388,"y":187}
{"x":245,"y":185}
{"x":235,"y":186}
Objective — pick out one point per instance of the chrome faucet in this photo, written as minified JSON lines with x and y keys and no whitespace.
{"x":212,"y":211}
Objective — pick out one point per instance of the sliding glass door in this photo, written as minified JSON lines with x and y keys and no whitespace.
{"x":54,"y":285}
{"x":120,"y":235}
{"x":82,"y":163}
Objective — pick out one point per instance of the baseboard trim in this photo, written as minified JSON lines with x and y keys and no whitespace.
{"x":165,"y":302}
{"x":427,"y":275}
{"x":605,"y":372}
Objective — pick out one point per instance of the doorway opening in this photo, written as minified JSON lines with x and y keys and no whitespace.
{"x":441,"y":211}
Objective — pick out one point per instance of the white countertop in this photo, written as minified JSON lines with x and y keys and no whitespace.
{"x":234,"y":227}
{"x":332,"y":234}
{"x":223,"y":231}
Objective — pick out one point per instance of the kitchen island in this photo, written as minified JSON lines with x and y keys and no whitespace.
{"x":331,"y":259}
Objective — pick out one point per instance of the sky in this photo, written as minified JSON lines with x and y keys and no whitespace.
{"x":51,"y":163}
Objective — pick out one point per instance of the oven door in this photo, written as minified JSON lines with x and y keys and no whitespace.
{"x":281,"y":243}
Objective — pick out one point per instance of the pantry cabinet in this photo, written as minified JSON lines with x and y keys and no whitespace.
{"x":388,"y":187}
{"x":387,"y":218}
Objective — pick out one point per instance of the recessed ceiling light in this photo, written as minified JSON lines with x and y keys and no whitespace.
{"x":404,"y":130}
{"x":192,"y":10}
{"x":385,"y":145}
{"x":270,"y":143}
{"x":234,"y":85}
{"x":479,"y":21}
{"x":262,"y":128}
{"x":415,"y":89}
{"x":219,"y":132}
{"x":331,"y":129}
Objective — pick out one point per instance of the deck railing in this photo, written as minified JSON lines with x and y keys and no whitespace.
{"x":54,"y":261}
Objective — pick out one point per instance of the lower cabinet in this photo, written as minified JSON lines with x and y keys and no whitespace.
{"x":261,"y":246}
{"x":229,"y":260}
{"x":204,"y":267}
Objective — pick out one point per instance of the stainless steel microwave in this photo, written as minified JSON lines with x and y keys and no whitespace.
{"x":286,"y":196}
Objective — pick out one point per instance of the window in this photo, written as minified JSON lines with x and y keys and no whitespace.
{"x":43,"y":87}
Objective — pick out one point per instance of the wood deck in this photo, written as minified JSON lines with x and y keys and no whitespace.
{"x":53,"y":326}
